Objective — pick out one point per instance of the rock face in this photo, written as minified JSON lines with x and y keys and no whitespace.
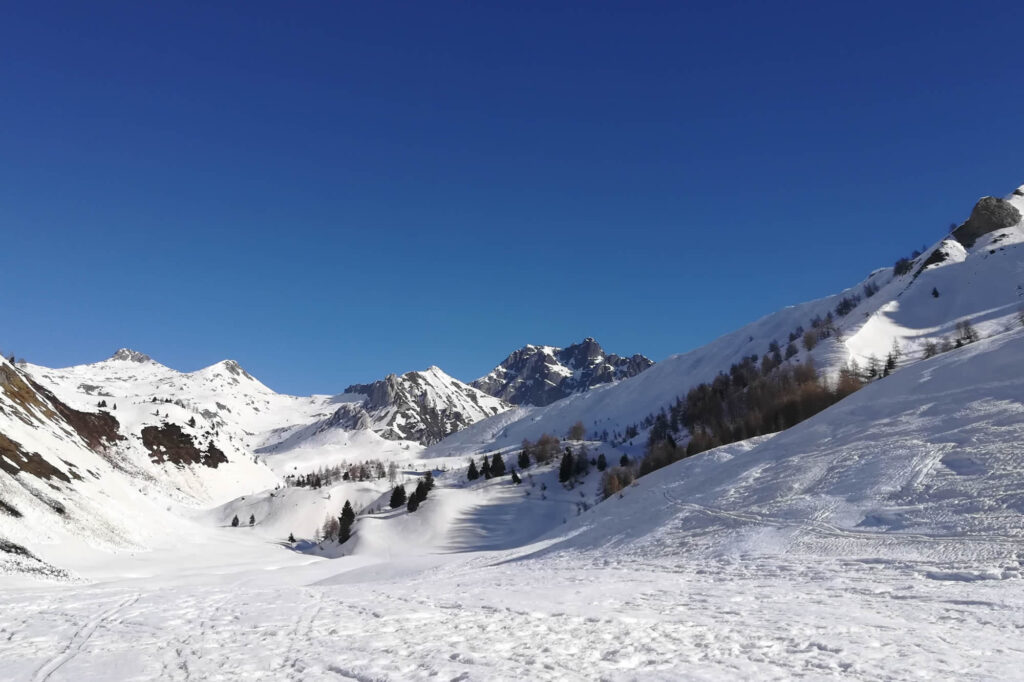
{"x":540,"y":375}
{"x":989,"y":214}
{"x":129,"y":355}
{"x":168,"y":443}
{"x":420,"y":406}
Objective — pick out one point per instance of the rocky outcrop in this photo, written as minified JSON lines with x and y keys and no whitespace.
{"x":420,"y":406}
{"x":129,"y":355}
{"x":989,"y":214}
{"x":168,"y":443}
{"x":540,"y":375}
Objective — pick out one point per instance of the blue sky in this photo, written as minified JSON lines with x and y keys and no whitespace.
{"x":328,"y":192}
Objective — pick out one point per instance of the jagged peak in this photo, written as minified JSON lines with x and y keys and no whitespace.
{"x":129,"y":355}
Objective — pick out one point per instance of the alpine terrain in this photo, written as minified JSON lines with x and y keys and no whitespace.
{"x":833,"y":490}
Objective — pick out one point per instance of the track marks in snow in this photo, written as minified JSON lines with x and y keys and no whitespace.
{"x":80,"y":638}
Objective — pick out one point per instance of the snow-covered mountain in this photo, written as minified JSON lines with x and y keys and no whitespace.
{"x":541,"y":375}
{"x":416,"y":406}
{"x":76,"y":479}
{"x":221,"y":403}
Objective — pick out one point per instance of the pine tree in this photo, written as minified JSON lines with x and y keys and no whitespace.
{"x":624,"y":461}
{"x":348,"y":517}
{"x":935,"y":292}
{"x":890,"y":365}
{"x":421,"y":492}
{"x":472,"y":474}
{"x":428,"y":480}
{"x":515,"y":478}
{"x":414,"y":503}
{"x":397,"y":496}
{"x":252,"y":520}
{"x":524,"y":456}
{"x":485,"y":467}
{"x":234,"y":521}
{"x":291,"y":538}
{"x":192,"y":422}
{"x":602,"y":463}
{"x":566,"y":468}
{"x":497,"y":465}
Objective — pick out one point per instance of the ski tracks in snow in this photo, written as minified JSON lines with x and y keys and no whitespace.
{"x":81,"y":638}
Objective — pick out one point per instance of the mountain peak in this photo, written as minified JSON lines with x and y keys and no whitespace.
{"x":540,"y":375}
{"x":424,"y":406}
{"x":129,"y":355}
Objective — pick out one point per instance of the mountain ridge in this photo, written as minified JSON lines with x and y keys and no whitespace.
{"x":541,"y":375}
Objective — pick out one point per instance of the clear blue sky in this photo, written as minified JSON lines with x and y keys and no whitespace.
{"x":328,"y":192}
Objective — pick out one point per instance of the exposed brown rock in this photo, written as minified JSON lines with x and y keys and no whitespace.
{"x":168,"y":443}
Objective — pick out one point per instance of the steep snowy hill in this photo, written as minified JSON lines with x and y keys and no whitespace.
{"x":911,"y":306}
{"x":540,"y":375}
{"x":921,"y":466}
{"x":73,"y":478}
{"x":423,"y":407}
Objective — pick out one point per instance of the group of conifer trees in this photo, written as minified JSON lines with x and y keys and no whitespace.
{"x":336,"y":527}
{"x":419,"y":495}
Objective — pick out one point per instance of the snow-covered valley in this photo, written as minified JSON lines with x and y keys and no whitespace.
{"x":880,"y":538}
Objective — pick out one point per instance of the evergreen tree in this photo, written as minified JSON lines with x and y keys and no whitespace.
{"x":624,"y":461}
{"x":348,"y":517}
{"x":428,"y":480}
{"x":397,"y":496}
{"x":935,"y":292}
{"x":291,"y":538}
{"x":524,"y":456}
{"x":234,"y":521}
{"x":515,"y":478}
{"x":485,"y":467}
{"x":413,"y":504}
{"x":567,"y":467}
{"x":602,"y":463}
{"x":497,"y":465}
{"x":890,"y":365}
{"x":420,"y":493}
{"x":192,"y":422}
{"x":252,"y":520}
{"x":472,"y":474}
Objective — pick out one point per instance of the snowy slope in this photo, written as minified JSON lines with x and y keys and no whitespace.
{"x":983,"y":284}
{"x":68,"y":485}
{"x":921,"y":466}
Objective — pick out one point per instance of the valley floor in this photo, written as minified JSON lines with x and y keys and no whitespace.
{"x":505,"y":615}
